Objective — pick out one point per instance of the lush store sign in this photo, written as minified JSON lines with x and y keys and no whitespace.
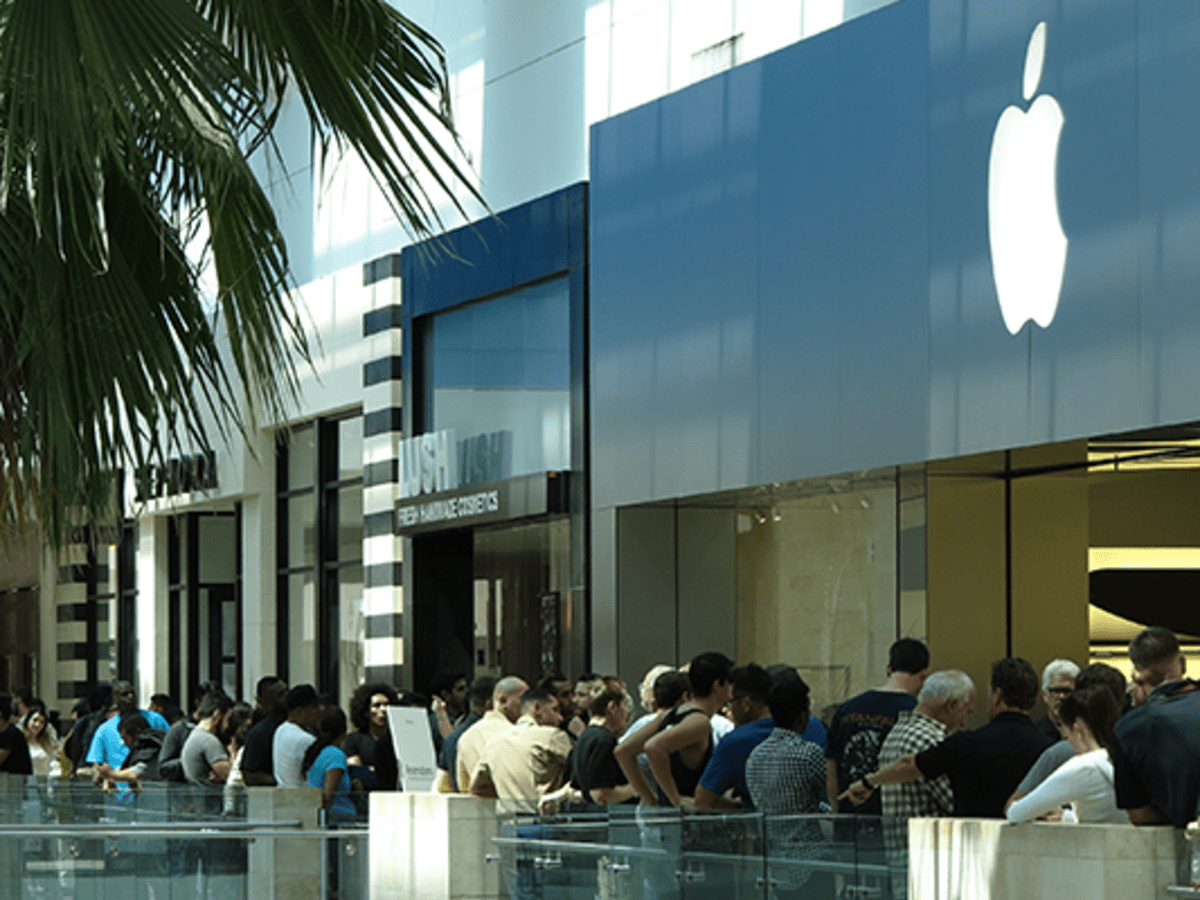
{"x":444,"y":481}
{"x":436,"y":462}
{"x":449,"y":509}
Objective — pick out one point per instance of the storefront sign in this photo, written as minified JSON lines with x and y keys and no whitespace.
{"x":177,"y":476}
{"x":436,"y":462}
{"x":427,"y":463}
{"x":449,"y":509}
{"x":499,"y":501}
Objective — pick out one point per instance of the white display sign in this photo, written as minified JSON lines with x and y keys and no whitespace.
{"x":413,"y":743}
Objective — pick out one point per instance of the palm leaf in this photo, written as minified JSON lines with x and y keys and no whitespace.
{"x":125,"y":126}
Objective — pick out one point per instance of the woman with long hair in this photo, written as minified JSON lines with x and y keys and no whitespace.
{"x":1085,"y":780}
{"x":324,"y":763}
{"x":43,"y":746}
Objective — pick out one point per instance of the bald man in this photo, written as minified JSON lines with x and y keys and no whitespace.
{"x":506,"y":709}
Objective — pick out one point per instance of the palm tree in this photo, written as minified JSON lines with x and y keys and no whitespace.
{"x":126,"y":127}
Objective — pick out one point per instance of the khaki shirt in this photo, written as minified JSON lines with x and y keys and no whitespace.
{"x":472,"y":742}
{"x":523,"y":762}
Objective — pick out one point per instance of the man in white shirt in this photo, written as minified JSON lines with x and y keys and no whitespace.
{"x":293,"y":736}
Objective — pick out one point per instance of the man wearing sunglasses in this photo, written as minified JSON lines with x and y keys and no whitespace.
{"x":1058,"y":680}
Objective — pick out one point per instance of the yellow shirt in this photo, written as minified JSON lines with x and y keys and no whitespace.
{"x":523,"y":761}
{"x":472,"y":742}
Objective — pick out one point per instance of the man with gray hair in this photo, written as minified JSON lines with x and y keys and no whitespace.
{"x":506,"y":709}
{"x":944,"y":703}
{"x":1058,"y":680}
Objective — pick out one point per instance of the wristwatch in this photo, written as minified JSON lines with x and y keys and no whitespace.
{"x":867,"y":784}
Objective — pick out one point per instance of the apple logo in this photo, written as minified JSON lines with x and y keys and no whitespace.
{"x":1029,"y":248}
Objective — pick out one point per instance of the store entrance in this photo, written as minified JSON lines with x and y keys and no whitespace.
{"x":491,"y":601}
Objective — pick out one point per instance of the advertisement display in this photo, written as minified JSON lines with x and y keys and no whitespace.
{"x":413,"y":744}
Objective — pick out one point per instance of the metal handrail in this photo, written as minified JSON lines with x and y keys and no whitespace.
{"x":214,"y":830}
{"x":139,"y":827}
{"x":815,"y":863}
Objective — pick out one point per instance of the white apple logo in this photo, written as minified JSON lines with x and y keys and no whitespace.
{"x":1029,"y":248}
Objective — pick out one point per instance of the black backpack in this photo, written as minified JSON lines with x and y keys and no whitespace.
{"x":145,"y":750}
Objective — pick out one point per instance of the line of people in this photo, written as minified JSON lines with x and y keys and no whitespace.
{"x":714,"y":735}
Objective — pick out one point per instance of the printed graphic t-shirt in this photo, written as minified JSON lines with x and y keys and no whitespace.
{"x":855,"y":736}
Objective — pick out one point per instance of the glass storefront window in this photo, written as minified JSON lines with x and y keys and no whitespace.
{"x":320,"y":579}
{"x":302,"y":628}
{"x":350,"y":448}
{"x":497,"y":374}
{"x":352,"y":629}
{"x":301,"y":513}
{"x":301,"y":449}
{"x":816,"y":566}
{"x":350,"y":523}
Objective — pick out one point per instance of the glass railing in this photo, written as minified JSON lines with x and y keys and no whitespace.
{"x":68,"y":840}
{"x":653,"y":854}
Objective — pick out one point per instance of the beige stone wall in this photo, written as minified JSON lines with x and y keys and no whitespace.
{"x":817,"y":588}
{"x":989,"y":859}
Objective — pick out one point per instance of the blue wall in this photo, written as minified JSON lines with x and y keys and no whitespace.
{"x":790,"y":269}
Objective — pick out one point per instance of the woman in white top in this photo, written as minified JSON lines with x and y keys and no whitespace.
{"x":43,"y":745}
{"x":1086,"y":780}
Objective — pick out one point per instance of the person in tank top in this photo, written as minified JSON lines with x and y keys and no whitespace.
{"x":679,"y":744}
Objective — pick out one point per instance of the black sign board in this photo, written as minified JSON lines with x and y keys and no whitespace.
{"x":480,"y":504}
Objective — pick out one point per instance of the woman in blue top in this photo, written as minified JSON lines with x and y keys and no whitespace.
{"x":325,"y":763}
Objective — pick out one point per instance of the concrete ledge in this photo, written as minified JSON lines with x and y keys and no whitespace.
{"x":432,"y":847}
{"x":284,"y":868}
{"x":990,"y":859}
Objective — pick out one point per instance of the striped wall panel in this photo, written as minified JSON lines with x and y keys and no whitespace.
{"x":383,"y":569}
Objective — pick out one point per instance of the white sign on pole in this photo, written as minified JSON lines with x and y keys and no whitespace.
{"x":413,"y":743}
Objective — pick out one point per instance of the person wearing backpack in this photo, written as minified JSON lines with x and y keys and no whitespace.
{"x":145,"y":744}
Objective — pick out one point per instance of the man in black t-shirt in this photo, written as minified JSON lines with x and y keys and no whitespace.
{"x":593,"y":774}
{"x":861,"y":724}
{"x":985,"y":766}
{"x":258,"y":767}
{"x":14,"y":749}
{"x":1156,"y":763}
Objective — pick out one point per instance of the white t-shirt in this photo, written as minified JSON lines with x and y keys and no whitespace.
{"x":287,"y":753}
{"x":1086,"y":781}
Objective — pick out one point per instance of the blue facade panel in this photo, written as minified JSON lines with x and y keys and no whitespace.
{"x":791,"y":268}
{"x":543,"y":237}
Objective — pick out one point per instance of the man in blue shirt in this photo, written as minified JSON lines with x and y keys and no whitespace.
{"x":726,"y":769}
{"x":107,"y":744}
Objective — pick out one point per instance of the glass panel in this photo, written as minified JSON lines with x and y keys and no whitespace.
{"x":819,"y":580}
{"x":500,"y":376}
{"x":301,"y":526}
{"x":229,"y":630}
{"x":513,"y":570}
{"x":301,"y":457}
{"x":218,"y":548}
{"x":106,"y":638}
{"x":350,"y":448}
{"x":203,"y":646}
{"x":74,"y":842}
{"x":302,"y":628}
{"x":352,"y":630}
{"x":350,"y":523}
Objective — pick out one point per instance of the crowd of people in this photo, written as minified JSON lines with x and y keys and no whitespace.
{"x":714,"y":735}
